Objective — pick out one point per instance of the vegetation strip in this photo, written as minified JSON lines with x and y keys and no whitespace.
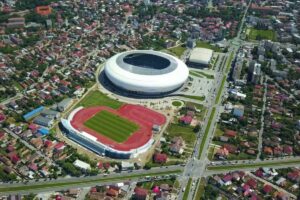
{"x":187,"y":189}
{"x":268,"y":164}
{"x":49,"y":185}
{"x":206,"y":131}
{"x":200,"y":189}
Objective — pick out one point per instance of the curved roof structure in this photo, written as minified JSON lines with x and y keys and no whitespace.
{"x":146,"y":71}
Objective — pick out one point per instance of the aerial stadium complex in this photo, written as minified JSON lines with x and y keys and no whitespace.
{"x":124,"y":133}
{"x":146,"y":72}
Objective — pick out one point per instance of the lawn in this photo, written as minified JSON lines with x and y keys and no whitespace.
{"x":187,"y":190}
{"x":178,"y":51}
{"x":176,"y":103}
{"x":220,"y":90}
{"x":97,"y":98}
{"x":202,"y":74}
{"x":186,"y":132}
{"x":111,"y":126}
{"x":255,"y":34}
{"x":199,"y":98}
{"x":201,"y":44}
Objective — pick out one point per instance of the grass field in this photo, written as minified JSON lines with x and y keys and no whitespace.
{"x":178,"y":51}
{"x":186,"y":132}
{"x":97,"y":98}
{"x":206,"y":45}
{"x":176,"y":103}
{"x":255,"y":34}
{"x":111,"y":126}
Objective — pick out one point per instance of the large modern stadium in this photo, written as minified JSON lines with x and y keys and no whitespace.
{"x":146,"y":72}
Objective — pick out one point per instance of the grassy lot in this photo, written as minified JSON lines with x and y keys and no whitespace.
{"x":97,"y":98}
{"x":149,"y":185}
{"x":176,"y":103}
{"x":255,"y":34}
{"x":111,"y":126}
{"x":200,"y":189}
{"x":241,"y":156}
{"x":200,"y":98}
{"x":254,"y":165}
{"x":211,"y":152}
{"x":228,"y":66}
{"x":206,"y":45}
{"x":44,"y":185}
{"x":206,"y":131}
{"x":178,"y":51}
{"x":199,"y":73}
{"x":187,"y":190}
{"x":186,"y":132}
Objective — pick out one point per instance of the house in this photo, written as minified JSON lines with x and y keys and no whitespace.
{"x":64,"y":104}
{"x":82,"y":165}
{"x":222,"y":152}
{"x":160,"y":158}
{"x":231,"y":148}
{"x":186,"y":119}
{"x":230,"y":133}
{"x":43,"y":121}
{"x":127,"y":166}
{"x":227,"y":179}
{"x":238,"y":111}
{"x":140,"y":193}
{"x":252,"y":183}
{"x":176,"y":145}
{"x":294,"y":175}
{"x":267,"y":189}
{"x":59,"y":146}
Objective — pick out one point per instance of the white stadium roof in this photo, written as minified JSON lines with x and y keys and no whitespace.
{"x":201,"y":56}
{"x":146,"y":71}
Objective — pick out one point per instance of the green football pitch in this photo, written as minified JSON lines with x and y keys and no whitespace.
{"x":111,"y":126}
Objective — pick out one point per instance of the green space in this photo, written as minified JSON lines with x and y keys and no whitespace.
{"x":201,"y":74}
{"x":215,"y":62}
{"x":255,"y":34}
{"x":187,"y":189}
{"x":150,"y":184}
{"x":199,"y":98}
{"x":195,"y":74}
{"x":206,"y":131}
{"x":52,"y":185}
{"x":186,"y":132}
{"x":254,"y":165}
{"x":97,"y":98}
{"x":200,"y":189}
{"x":17,"y":85}
{"x":201,"y":44}
{"x":211,"y":152}
{"x":178,"y":51}
{"x":228,"y":65}
{"x":111,"y":126}
{"x":176,"y":103}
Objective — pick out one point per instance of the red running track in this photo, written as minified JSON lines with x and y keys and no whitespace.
{"x":144,"y":117}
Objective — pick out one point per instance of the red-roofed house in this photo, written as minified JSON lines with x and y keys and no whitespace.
{"x":267,"y":189}
{"x":186,"y":119}
{"x":288,"y":150}
{"x":33,"y":167}
{"x":140,"y":193}
{"x":59,"y":146}
{"x":14,"y":158}
{"x":230,"y":133}
{"x":252,"y":183}
{"x":160,"y":158}
{"x":294,"y":175}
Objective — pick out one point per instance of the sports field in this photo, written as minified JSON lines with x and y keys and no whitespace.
{"x":111,"y":126}
{"x":255,"y":34}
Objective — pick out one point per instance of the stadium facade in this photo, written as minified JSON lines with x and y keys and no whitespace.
{"x":146,"y":72}
{"x":93,"y":143}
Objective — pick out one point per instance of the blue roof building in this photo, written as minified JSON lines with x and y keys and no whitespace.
{"x":33,"y":113}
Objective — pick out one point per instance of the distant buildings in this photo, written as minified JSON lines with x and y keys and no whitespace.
{"x":254,"y":72}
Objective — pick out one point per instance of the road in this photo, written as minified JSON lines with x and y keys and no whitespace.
{"x":84,"y":181}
